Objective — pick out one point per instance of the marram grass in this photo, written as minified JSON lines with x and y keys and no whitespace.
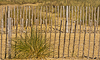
{"x":30,"y":47}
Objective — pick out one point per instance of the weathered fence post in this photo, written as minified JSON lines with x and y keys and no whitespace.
{"x":26,"y":24}
{"x":69,"y":17}
{"x":79,"y":33}
{"x":63,"y":16}
{"x":43,"y":17}
{"x":21,"y":21}
{"x":74,"y":39}
{"x":17,"y":21}
{"x":77,"y":17}
{"x":86,"y":21}
{"x":41,"y":21}
{"x":46,"y":26}
{"x":6,"y":32}
{"x":59,"y":40}
{"x":69,"y":38}
{"x":94,"y":31}
{"x":66,"y":24}
{"x":49,"y":18}
{"x":31,"y":21}
{"x":72,"y":21}
{"x":64,"y":39}
{"x":66,"y":19}
{"x":23,"y":14}
{"x":9,"y":33}
{"x":99,"y":45}
{"x":97,"y":18}
{"x":1,"y":32}
{"x":14,"y":19}
{"x":83,"y":19}
{"x":55,"y":33}
{"x":29,"y":18}
{"x":58,"y":18}
{"x":89,"y":33}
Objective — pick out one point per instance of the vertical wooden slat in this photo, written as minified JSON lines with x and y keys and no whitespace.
{"x":5,"y":17}
{"x":97,"y":18}
{"x":59,"y":40}
{"x":84,"y":41}
{"x":29,"y":18}
{"x":34,"y":14}
{"x":31,"y":21}
{"x":26,"y":24}
{"x":14,"y":19}
{"x":66,"y":27}
{"x":58,"y":18}
{"x":43,"y":17}
{"x":61,"y":13}
{"x":74,"y":39}
{"x":64,"y":39}
{"x":50,"y":34}
{"x":83,"y":19}
{"x":41,"y":21}
{"x":11,"y":22}
{"x":50,"y":29}
{"x":89,"y":33}
{"x":1,"y":32}
{"x":32,"y":17}
{"x":67,"y":19}
{"x":49,"y":18}
{"x":63,"y":16}
{"x":6,"y":33}
{"x":79,"y":32}
{"x":86,"y":21}
{"x":46,"y":26}
{"x":69,"y":38}
{"x":89,"y":17}
{"x":23,"y":17}
{"x":17,"y":21}
{"x":99,"y":45}
{"x":94,"y":31}
{"x":77,"y":17}
{"x":16,"y":29}
{"x":85,"y":33}
{"x":72,"y":20}
{"x":55,"y":33}
{"x":75,"y":14}
{"x":21,"y":21}
{"x":9,"y":33}
{"x":38,"y":14}
{"x":92,"y":16}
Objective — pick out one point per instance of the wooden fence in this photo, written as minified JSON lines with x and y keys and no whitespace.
{"x":74,"y":31}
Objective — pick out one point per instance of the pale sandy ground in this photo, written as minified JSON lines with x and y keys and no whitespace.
{"x":66,"y":45}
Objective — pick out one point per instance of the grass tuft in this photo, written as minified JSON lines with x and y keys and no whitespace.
{"x":30,"y":47}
